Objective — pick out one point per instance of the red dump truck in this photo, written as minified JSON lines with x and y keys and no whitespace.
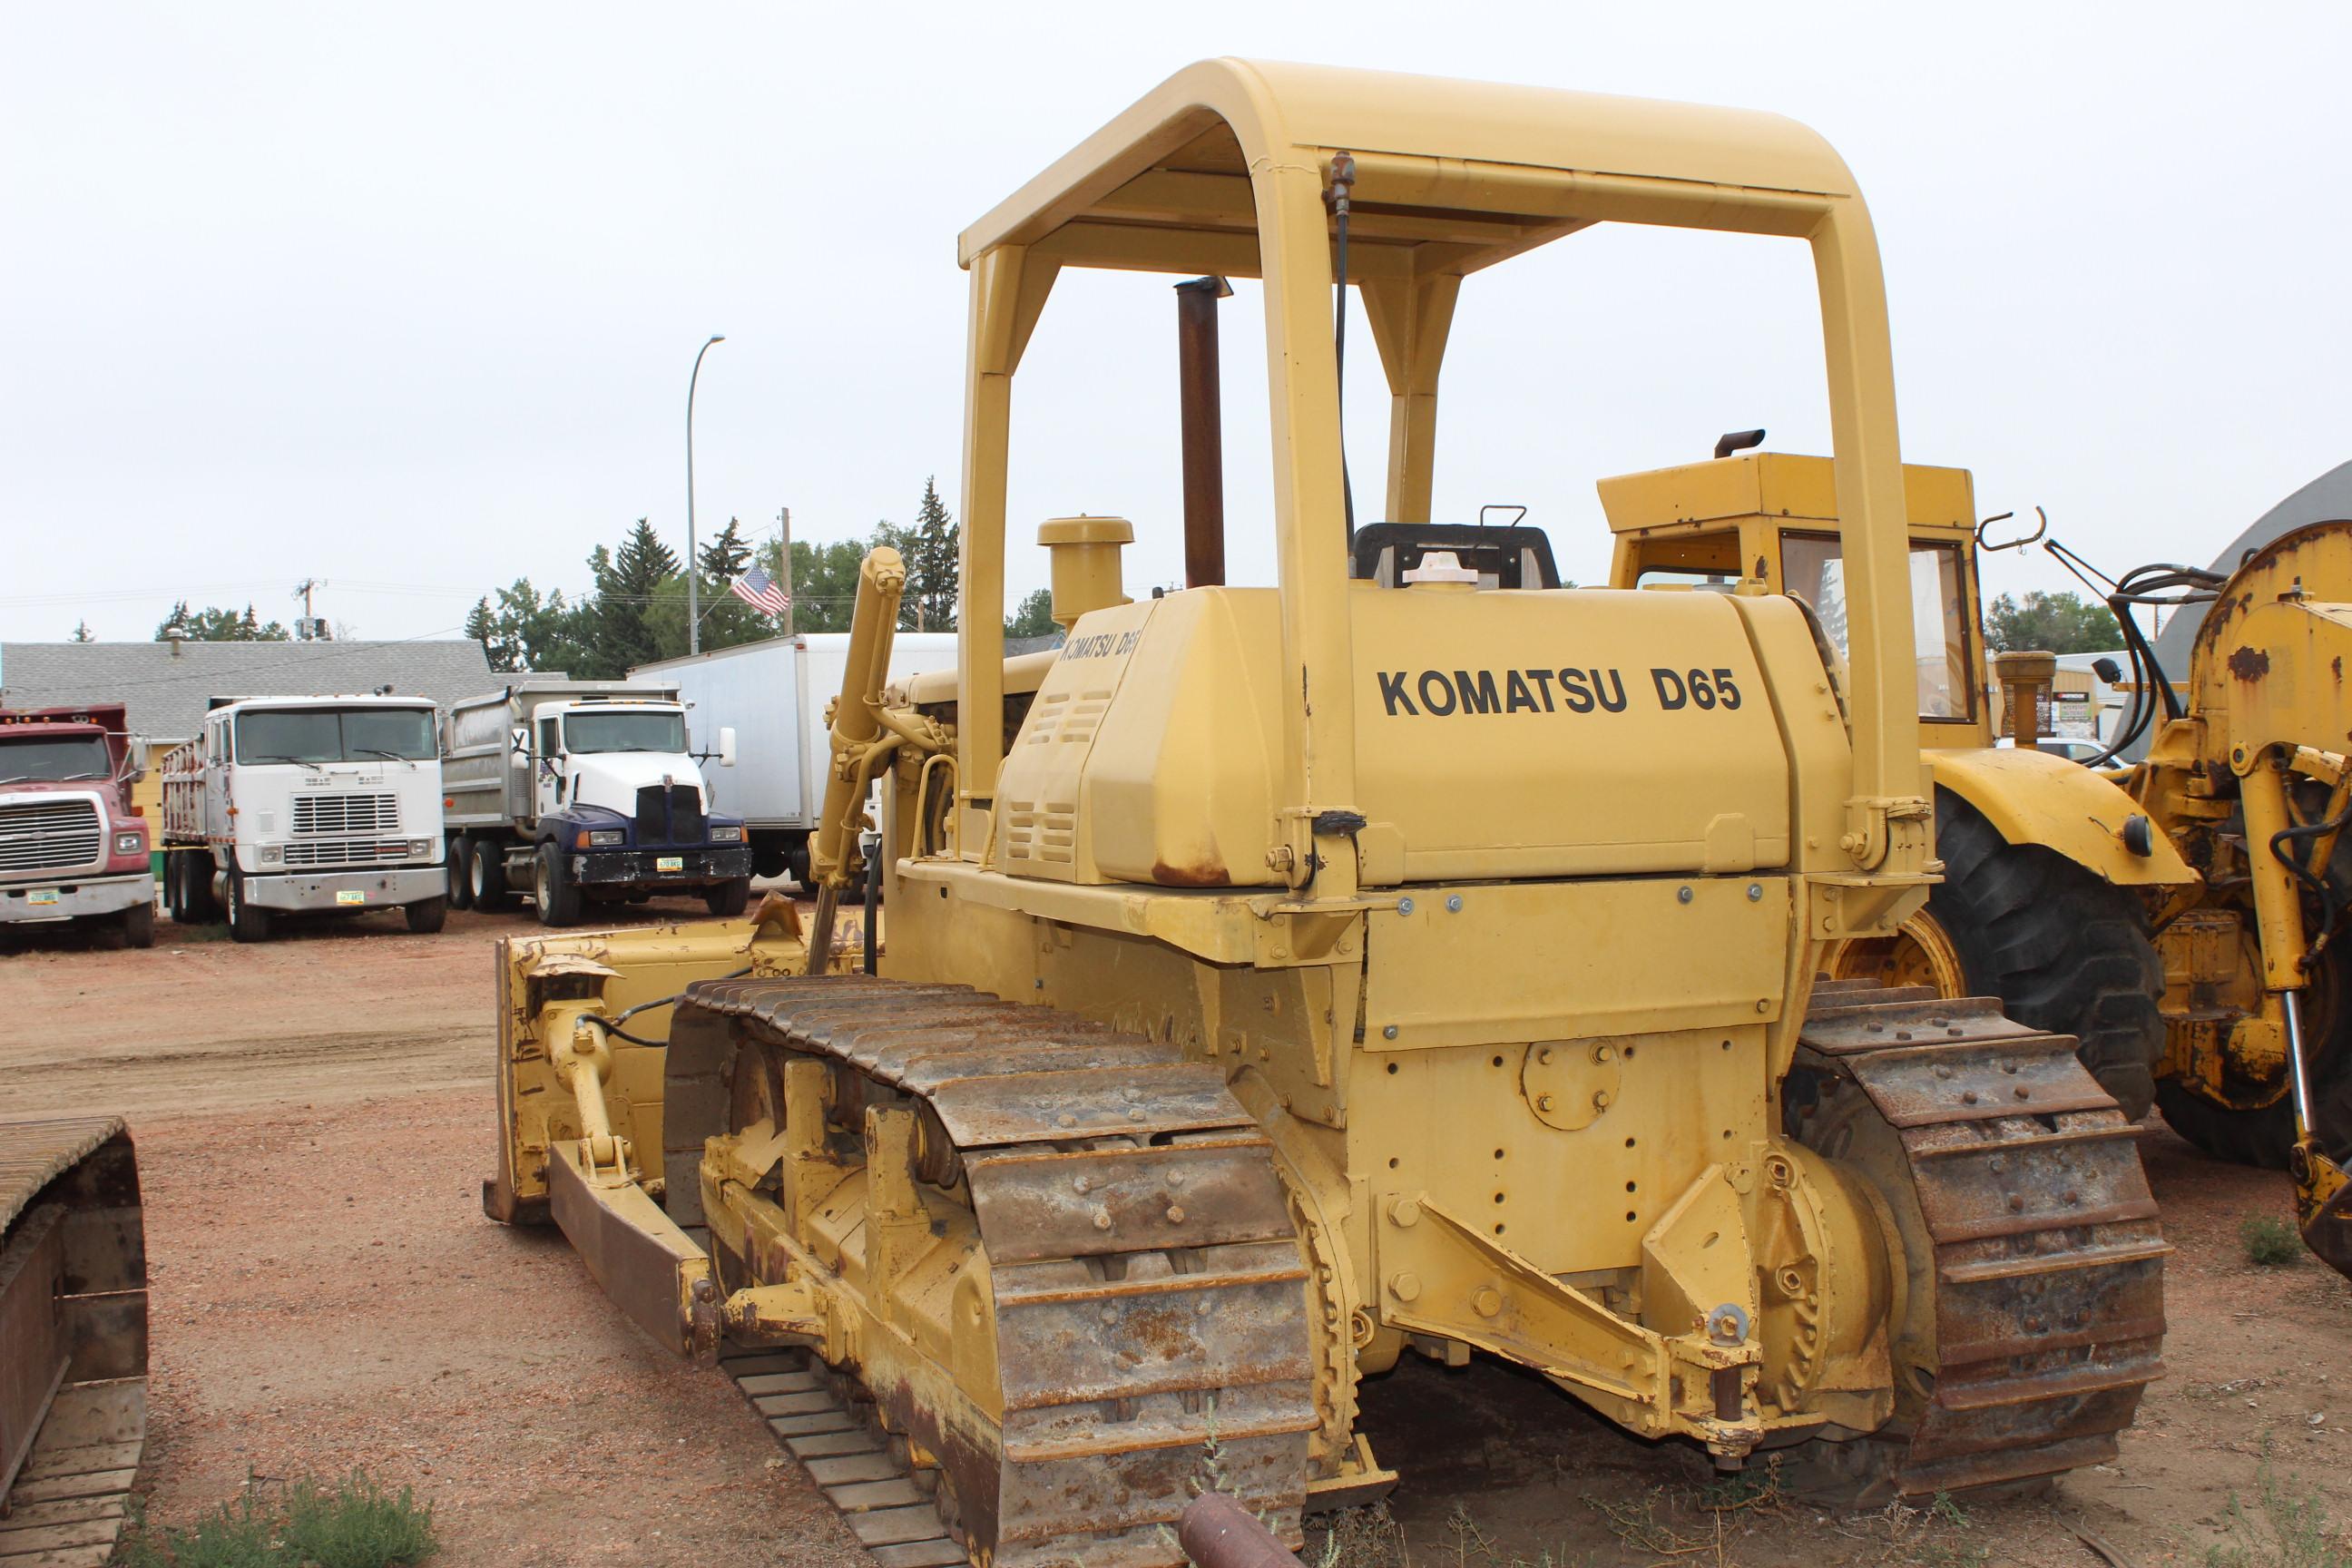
{"x":72,"y":847}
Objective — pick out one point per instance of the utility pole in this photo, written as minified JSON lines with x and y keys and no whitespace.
{"x":784,"y":561}
{"x":308,"y":628}
{"x":693,"y":565}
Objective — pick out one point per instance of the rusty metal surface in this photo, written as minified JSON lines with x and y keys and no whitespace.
{"x":1218,"y":1533}
{"x":633,"y":1249}
{"x":2048,"y":1307}
{"x":73,"y":1333}
{"x":1149,"y":1296}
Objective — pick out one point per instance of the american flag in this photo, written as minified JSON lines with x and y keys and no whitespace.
{"x":759,"y":590}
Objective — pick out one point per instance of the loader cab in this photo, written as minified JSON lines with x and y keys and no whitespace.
{"x":1766,"y":523}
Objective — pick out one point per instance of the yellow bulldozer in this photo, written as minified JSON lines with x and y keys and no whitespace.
{"x":2176,"y":915}
{"x":1413,"y":955}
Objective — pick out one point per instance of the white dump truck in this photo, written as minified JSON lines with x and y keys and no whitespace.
{"x":305,"y":805}
{"x":584,"y":792}
{"x":772,"y":695}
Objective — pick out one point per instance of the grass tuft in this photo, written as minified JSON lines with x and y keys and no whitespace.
{"x":2288,"y":1528}
{"x":2270,"y":1242}
{"x":355,"y":1523}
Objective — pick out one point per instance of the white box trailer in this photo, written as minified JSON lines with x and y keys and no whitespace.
{"x":772,"y":694}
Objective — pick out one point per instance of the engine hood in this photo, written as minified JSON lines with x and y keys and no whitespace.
{"x":612,"y":778}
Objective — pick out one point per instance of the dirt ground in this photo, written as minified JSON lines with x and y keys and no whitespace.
{"x":313,"y":1119}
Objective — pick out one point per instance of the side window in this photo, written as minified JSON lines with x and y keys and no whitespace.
{"x":549,"y":743}
{"x":1814,"y":571}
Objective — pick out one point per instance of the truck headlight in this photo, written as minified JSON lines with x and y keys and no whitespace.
{"x":129,"y":843}
{"x":727,"y":836}
{"x":601,"y":838}
{"x":420,"y":847}
{"x":272,"y":854}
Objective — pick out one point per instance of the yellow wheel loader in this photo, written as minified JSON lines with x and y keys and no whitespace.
{"x":2050,"y":875}
{"x":73,"y":1339}
{"x":1408,"y":956}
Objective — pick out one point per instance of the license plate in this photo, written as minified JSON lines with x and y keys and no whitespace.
{"x":669,"y":863}
{"x":351,"y":896}
{"x":42,"y":896}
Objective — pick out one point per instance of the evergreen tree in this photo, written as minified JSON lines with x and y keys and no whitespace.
{"x":214,"y":624}
{"x":724,"y":558}
{"x":1035,"y":619}
{"x":525,"y":631}
{"x":81,"y":632}
{"x":629,"y":582}
{"x":932,"y":549}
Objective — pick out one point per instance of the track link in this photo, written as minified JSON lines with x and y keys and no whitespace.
{"x":2037,"y":1285}
{"x":1146,"y":1276}
{"x":73,"y":1331}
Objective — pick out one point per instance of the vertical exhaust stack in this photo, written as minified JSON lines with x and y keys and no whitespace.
{"x":1199,"y":382}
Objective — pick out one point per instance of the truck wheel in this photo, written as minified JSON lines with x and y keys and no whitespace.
{"x":246,"y":923}
{"x":485,"y":873}
{"x":727,"y":900}
{"x":552,"y":889}
{"x":771,"y":855}
{"x":456,"y":862}
{"x":2065,"y":952}
{"x":798,"y":856}
{"x":426,"y":916}
{"x":137,"y":925}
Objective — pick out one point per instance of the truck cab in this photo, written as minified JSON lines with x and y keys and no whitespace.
{"x":305,"y":805}
{"x":73,"y":849}
{"x":586,"y":791}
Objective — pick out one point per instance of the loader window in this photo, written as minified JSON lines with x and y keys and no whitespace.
{"x":1814,"y":571}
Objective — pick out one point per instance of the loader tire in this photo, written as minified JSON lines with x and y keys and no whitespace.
{"x":247,"y":921}
{"x":2066,"y":952}
{"x":2264,"y":1135}
{"x":553,"y":891}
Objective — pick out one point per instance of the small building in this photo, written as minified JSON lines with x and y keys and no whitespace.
{"x":166,"y":685}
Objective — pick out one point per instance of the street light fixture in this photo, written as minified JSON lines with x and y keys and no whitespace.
{"x":693,"y":567}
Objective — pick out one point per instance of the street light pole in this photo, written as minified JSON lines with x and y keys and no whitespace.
{"x":693,"y":567}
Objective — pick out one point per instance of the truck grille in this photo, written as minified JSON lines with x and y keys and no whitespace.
{"x":670,"y":814}
{"x":350,"y":852}
{"x":37,"y":836}
{"x":346,"y":815}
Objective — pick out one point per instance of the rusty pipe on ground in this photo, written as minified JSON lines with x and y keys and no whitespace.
{"x":1216,"y":1532}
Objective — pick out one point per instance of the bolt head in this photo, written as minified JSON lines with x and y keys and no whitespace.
{"x":1683,"y":895}
{"x":1755,"y":892}
{"x":1389,"y":1033}
{"x":1601,"y":1100}
{"x":1175,"y":1213}
{"x":1543,"y":1102}
{"x":1102,"y":1219}
{"x":1488,"y":1301}
{"x":1453,"y":903}
{"x":1405,"y":1287}
{"x":1404,"y":906}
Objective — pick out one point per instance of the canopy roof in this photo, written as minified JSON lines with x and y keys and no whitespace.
{"x":1453,"y":175}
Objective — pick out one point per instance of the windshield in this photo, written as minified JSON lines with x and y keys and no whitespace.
{"x":335,"y":735}
{"x":55,"y":761}
{"x":625,"y":732}
{"x":1814,"y":571}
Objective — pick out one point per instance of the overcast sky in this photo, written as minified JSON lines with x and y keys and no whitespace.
{"x":405,"y":297}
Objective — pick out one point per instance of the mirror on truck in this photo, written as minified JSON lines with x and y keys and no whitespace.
{"x":518,"y":750}
{"x":727,"y":745}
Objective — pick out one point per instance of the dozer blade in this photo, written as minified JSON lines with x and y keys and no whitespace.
{"x":653,"y":1270}
{"x":73,"y":1338}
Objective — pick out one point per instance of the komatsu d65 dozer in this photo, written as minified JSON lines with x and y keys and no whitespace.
{"x":1402,"y":957}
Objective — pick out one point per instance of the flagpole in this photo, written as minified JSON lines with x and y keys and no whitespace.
{"x":784,"y":561}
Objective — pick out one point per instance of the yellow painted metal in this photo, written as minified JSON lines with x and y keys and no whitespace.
{"x":1498,"y":912}
{"x":2036,"y":797}
{"x":1084,"y":551}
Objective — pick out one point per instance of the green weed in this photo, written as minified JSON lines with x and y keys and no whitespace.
{"x":2270,"y":1242}
{"x":2288,"y":1528}
{"x":355,"y":1523}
